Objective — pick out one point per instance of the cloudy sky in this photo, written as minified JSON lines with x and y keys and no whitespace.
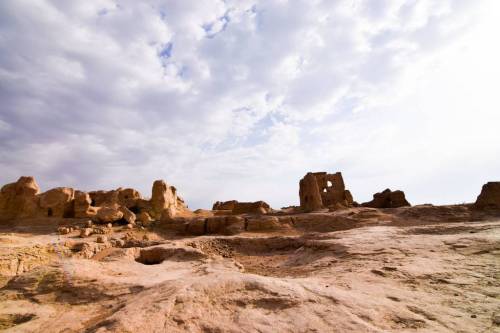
{"x":238,"y":99}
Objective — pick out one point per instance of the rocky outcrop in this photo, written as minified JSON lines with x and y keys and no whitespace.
{"x":388,"y":199}
{"x":235,"y":207}
{"x":257,"y":207}
{"x":128,"y":216}
{"x":224,"y":205}
{"x":19,"y":199}
{"x":103,"y":198}
{"x":22,"y":200}
{"x":144,"y":218}
{"x":489,"y":198}
{"x":82,"y":205}
{"x":57,"y":202}
{"x":321,"y":190}
{"x":164,"y":200}
{"x":310,"y":197}
{"x":109,"y":214}
{"x":128,"y":197}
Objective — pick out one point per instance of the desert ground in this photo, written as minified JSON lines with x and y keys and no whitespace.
{"x":359,"y":269}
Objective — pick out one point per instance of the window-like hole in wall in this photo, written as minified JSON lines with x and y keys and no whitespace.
{"x":50,"y":212}
{"x":329,"y":183}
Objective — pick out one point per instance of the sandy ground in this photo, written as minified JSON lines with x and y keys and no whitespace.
{"x":413,"y":270}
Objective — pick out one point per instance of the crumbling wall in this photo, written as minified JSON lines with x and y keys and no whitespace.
{"x":22,"y":199}
{"x":321,"y":190}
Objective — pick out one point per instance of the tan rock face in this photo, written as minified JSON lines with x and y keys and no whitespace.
{"x":320,"y":190}
{"x":109,"y":214}
{"x":163,"y":197}
{"x":388,"y":199}
{"x":102,"y":198}
{"x":226,"y":205}
{"x":489,"y":197}
{"x":19,"y":199}
{"x":258,"y":207}
{"x":57,"y":202}
{"x":144,"y":218}
{"x":310,"y":198}
{"x":128,"y":197}
{"x":127,"y":215}
{"x":82,"y":205}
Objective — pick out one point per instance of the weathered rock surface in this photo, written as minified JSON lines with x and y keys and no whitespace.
{"x":103,"y":198}
{"x":489,"y":196}
{"x":22,"y":199}
{"x":351,"y":270}
{"x":82,"y":205}
{"x":387,"y":199}
{"x":57,"y":202}
{"x":235,"y":207}
{"x":109,"y":214}
{"x":257,"y":207}
{"x":163,"y":197}
{"x":144,"y":218}
{"x":128,"y":216}
{"x":224,"y":205}
{"x":19,"y":199}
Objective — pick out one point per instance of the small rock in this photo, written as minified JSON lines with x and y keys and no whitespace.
{"x":146,"y":237}
{"x":86,"y":232}
{"x":496,"y":320}
{"x":88,"y":224}
{"x":376,"y":271}
{"x":109,"y":225}
{"x":473,"y":316}
{"x":102,"y":239}
{"x":130,"y":226}
{"x":63,"y":230}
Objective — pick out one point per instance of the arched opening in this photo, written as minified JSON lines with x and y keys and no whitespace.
{"x":50,"y":212}
{"x":92,"y":202}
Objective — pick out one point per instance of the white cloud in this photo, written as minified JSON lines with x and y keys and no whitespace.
{"x":238,"y":99}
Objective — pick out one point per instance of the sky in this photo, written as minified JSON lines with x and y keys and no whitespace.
{"x":239,"y":99}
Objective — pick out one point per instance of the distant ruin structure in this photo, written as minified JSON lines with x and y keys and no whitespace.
{"x":489,"y":198}
{"x":22,"y":199}
{"x":319,"y":190}
{"x":236,"y":207}
{"x":387,"y":199}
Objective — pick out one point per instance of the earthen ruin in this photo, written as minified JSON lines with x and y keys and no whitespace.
{"x":489,"y":198}
{"x":319,"y":190}
{"x":236,"y":207}
{"x":387,"y":199}
{"x":23,"y":199}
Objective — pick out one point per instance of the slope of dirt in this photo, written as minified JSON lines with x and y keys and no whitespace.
{"x":376,"y":271}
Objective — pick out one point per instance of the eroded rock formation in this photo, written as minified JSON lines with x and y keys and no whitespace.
{"x":22,"y":199}
{"x":388,"y":199}
{"x":321,"y":190}
{"x":19,"y":199}
{"x":489,"y":196}
{"x":236,"y":207}
{"x":224,"y":205}
{"x":82,"y":205}
{"x":57,"y":202}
